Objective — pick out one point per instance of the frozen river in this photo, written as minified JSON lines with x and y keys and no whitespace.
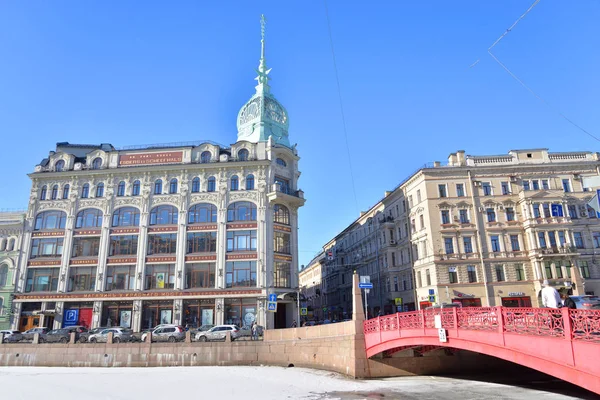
{"x":242,"y":383}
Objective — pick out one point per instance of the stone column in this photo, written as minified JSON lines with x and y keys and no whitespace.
{"x":136,"y":316}
{"x":66,"y":255}
{"x":181,"y":245}
{"x":358,"y":312}
{"x":141,"y":253}
{"x":178,"y":311}
{"x":97,"y":314}
{"x":221,"y":239}
{"x":219,"y":311}
{"x":16,"y":309}
{"x":103,"y":252}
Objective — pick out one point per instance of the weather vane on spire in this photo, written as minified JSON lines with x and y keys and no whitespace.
{"x":263,"y":72}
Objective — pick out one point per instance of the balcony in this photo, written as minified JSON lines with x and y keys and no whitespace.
{"x":387,"y":222}
{"x":561,"y":251}
{"x":286,"y":195}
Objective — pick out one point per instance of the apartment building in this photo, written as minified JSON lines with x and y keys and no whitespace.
{"x":11,"y":233}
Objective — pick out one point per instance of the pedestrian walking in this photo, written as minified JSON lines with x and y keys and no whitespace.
{"x":568,"y":301}
{"x":550,"y":296}
{"x":254,"y":331}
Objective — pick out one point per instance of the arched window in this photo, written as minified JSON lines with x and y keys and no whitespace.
{"x":281,"y":214}
{"x":59,"y":166}
{"x":212,"y":184}
{"x":243,"y":155}
{"x":85,"y":191}
{"x":158,"y":186}
{"x":43,"y":193}
{"x":241,"y":211}
{"x":66,"y":191}
{"x":281,"y":161}
{"x":121,"y":189}
{"x":135,"y":190}
{"x":164,"y":215}
{"x":250,"y":182}
{"x":126,"y":216}
{"x":50,"y":220}
{"x":196,"y":185}
{"x":235,"y":183}
{"x":202,"y":212}
{"x":3,"y":277}
{"x":54,"y":194}
{"x":97,"y":163}
{"x":89,"y":218}
{"x":100,"y":190}
{"x":205,"y":157}
{"x":173,"y":186}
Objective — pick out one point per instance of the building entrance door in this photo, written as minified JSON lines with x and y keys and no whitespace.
{"x":29,"y":322}
{"x":280,"y":316}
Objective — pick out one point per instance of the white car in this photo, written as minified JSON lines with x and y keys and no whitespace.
{"x":11,"y":336}
{"x":219,"y":332}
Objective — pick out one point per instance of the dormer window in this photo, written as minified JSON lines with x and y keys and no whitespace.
{"x":205,"y":157}
{"x":243,"y":155}
{"x":97,"y":163}
{"x":60,"y":166}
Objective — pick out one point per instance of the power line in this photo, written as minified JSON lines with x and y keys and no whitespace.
{"x":337,"y":79}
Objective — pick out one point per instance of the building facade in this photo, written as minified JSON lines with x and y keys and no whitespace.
{"x":11,"y":233}
{"x":479,"y":230}
{"x":311,"y":284}
{"x":190,"y":234}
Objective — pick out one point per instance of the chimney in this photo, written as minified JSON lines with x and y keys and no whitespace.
{"x":436,"y":164}
{"x":452,"y":159}
{"x":461,"y":157}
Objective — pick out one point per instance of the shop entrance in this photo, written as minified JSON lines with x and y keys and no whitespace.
{"x":156,"y":313}
{"x":516,"y":301}
{"x":281,"y":316}
{"x":29,"y":322}
{"x":116,"y":313}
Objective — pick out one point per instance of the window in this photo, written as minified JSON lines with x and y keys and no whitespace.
{"x":558,"y":269}
{"x":526,"y":185}
{"x":281,"y":214}
{"x":3,"y":275}
{"x":428,"y":277}
{"x":445,"y":217}
{"x":561,"y":238}
{"x":418,"y":195}
{"x":452,"y":275}
{"x":442,"y":191}
{"x":212,"y":184}
{"x":158,"y":186}
{"x":281,"y":162}
{"x":566,"y":185}
{"x":235,"y":183}
{"x":241,"y":240}
{"x":500,"y":273}
{"x":281,"y":243}
{"x":66,"y":191}
{"x":241,"y":211}
{"x":578,"y":238}
{"x":203,"y":212}
{"x":135,"y":190}
{"x":545,"y":185}
{"x":86,"y":246}
{"x":283,"y":185}
{"x":584,"y":269}
{"x":510,"y":214}
{"x":48,"y":247}
{"x":491,"y":215}
{"x":282,"y":275}
{"x":495,"y":242}
{"x":54,"y":192}
{"x":546,"y":208}
{"x":250,"y":182}
{"x":243,"y":155}
{"x":422,"y":221}
{"x":396,"y":284}
{"x":42,"y":279}
{"x":548,"y":269}
{"x":542,"y":240}
{"x":196,"y":185}
{"x":591,"y":212}
{"x":160,"y":276}
{"x":85,"y":191}
{"x":552,"y":238}
{"x":59,"y":166}
{"x":205,"y":157}
{"x":464,"y":216}
{"x":120,"y":278}
{"x":568,"y":268}
{"x":50,"y":220}
{"x":121,"y":189}
{"x":471,"y":273}
{"x":81,"y":279}
{"x":126,"y":216}
{"x":449,"y":245}
{"x":572,"y":211}
{"x":201,"y":242}
{"x":100,"y":190}
{"x":460,"y":190}
{"x":123,"y":245}
{"x":240,"y":274}
{"x":164,"y":215}
{"x":596,"y":238}
{"x":89,"y":218}
{"x":519,"y":272}
{"x":487,"y":188}
{"x":43,"y":193}
{"x":468,"y":245}
{"x":97,"y":163}
{"x":173,"y":186}
{"x":535,"y":184}
{"x":505,"y":188}
{"x":200,"y":275}
{"x":162,"y":244}
{"x":514,"y":242}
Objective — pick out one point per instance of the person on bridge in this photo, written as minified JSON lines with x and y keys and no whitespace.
{"x":567,"y":301}
{"x":550,"y":296}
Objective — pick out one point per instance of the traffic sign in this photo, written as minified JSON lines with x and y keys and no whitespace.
{"x":273,"y":297}
{"x":365,"y":285}
{"x":431,"y":291}
{"x":442,"y":335}
{"x":432,"y":299}
{"x":304,"y":311}
{"x":398,"y":301}
{"x":272,"y":306}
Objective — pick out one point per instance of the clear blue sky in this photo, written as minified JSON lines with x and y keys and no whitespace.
{"x":129,"y":72}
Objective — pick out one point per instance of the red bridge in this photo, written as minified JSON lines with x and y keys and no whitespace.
{"x":560,"y":342}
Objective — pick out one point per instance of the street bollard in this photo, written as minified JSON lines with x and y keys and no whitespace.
{"x":149,"y":337}
{"x":228,"y":336}
{"x":188,"y":337}
{"x":109,"y":338}
{"x":36,"y":338}
{"x":1,"y":338}
{"x":72,"y":338}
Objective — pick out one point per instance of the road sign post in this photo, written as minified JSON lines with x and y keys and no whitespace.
{"x":365,"y":283}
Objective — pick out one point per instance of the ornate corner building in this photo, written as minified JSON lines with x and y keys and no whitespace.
{"x":11,"y":233}
{"x":194,"y":233}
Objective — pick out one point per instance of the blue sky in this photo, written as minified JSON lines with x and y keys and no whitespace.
{"x":120,"y":73}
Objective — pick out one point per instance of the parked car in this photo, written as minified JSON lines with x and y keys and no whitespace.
{"x":84,"y":337}
{"x":62,"y":335}
{"x":119,"y":335}
{"x":586,"y":302}
{"x":218,"y":332}
{"x":168,"y":333}
{"x":28,"y":334}
{"x":11,"y":336}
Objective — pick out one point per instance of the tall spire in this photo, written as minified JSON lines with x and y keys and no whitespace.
{"x":263,"y":71}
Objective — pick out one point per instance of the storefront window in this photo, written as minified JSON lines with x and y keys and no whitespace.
{"x":81,"y":279}
{"x":161,"y":276}
{"x":42,"y":279}
{"x":240,"y":312}
{"x":117,"y":313}
{"x":156,"y":313}
{"x":200,"y":275}
{"x":468,"y":302}
{"x":78,"y":314}
{"x":120,"y":278}
{"x":198,"y":312}
{"x":240,"y":274}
